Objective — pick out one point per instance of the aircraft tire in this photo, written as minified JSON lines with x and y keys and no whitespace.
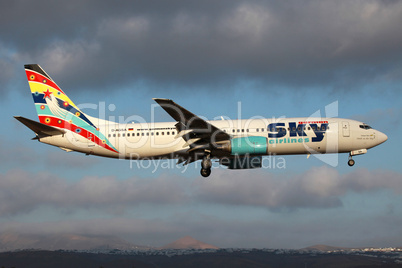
{"x":206,"y":163}
{"x":351,"y":162}
{"x":205,"y":172}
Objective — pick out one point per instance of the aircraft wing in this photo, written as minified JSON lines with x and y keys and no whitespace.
{"x":197,"y":132}
{"x":39,"y":128}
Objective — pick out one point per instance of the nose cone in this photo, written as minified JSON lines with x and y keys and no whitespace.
{"x":381,"y":137}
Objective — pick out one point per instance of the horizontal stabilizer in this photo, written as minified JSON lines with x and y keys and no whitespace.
{"x":39,"y":128}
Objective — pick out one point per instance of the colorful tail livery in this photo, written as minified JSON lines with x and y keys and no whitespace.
{"x":55,"y":109}
{"x":236,"y":144}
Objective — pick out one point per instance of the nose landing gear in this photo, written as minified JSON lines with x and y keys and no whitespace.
{"x":351,"y":162}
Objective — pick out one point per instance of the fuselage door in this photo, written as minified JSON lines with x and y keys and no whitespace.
{"x":90,"y":139}
{"x":345,"y":129}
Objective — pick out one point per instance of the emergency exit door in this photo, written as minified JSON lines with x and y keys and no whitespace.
{"x":345,"y":129}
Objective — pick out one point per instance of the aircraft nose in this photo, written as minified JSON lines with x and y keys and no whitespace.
{"x":381,"y":137}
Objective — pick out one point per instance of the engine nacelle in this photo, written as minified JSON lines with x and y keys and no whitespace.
{"x":242,"y":162}
{"x":248,"y":145}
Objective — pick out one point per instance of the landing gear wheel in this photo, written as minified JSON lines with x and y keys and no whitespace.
{"x":205,"y":172}
{"x":351,"y":162}
{"x":206,"y":165}
{"x":206,"y":162}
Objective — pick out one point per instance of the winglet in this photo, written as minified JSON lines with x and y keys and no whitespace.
{"x":161,"y":99}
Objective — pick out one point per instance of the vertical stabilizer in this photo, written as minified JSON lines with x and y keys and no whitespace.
{"x":56,"y":109}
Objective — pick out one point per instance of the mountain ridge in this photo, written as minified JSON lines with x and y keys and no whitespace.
{"x":188,"y":242}
{"x":12,"y":241}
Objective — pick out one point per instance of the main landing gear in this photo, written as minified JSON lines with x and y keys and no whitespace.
{"x":351,"y":162}
{"x":206,"y":165}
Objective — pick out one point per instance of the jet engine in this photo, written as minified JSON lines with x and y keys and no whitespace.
{"x":242,"y":162}
{"x":247,"y":145}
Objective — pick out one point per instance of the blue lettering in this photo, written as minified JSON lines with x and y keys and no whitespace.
{"x":294,"y":131}
{"x":280,"y":132}
{"x":319,"y":132}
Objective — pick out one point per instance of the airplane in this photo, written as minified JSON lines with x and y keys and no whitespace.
{"x":236,"y":144}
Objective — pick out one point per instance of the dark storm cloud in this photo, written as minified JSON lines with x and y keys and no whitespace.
{"x":184,"y":43}
{"x":324,"y":187}
{"x":22,"y":192}
{"x":321,"y":187}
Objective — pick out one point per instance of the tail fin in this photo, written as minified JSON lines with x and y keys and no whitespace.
{"x":53,"y":106}
{"x":55,"y":109}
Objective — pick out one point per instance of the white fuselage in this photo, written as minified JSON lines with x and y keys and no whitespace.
{"x":284,"y":136}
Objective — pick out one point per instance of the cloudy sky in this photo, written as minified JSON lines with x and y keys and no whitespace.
{"x":230,"y":58}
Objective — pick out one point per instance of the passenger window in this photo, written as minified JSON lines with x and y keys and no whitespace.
{"x":172,"y":132}
{"x":109,"y":135}
{"x":152,"y":133}
{"x":262,"y":130}
{"x":138,"y":133}
{"x":233,"y":130}
{"x":163,"y":133}
{"x":167,"y":133}
{"x":123,"y":135}
{"x":157,"y":133}
{"x":114,"y":135}
{"x":147,"y":133}
{"x":258,"y":129}
{"x":308,"y":128}
{"x":142,"y":134}
{"x":242,"y":130}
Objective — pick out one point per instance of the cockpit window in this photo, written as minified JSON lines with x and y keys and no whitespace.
{"x":364,"y":126}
